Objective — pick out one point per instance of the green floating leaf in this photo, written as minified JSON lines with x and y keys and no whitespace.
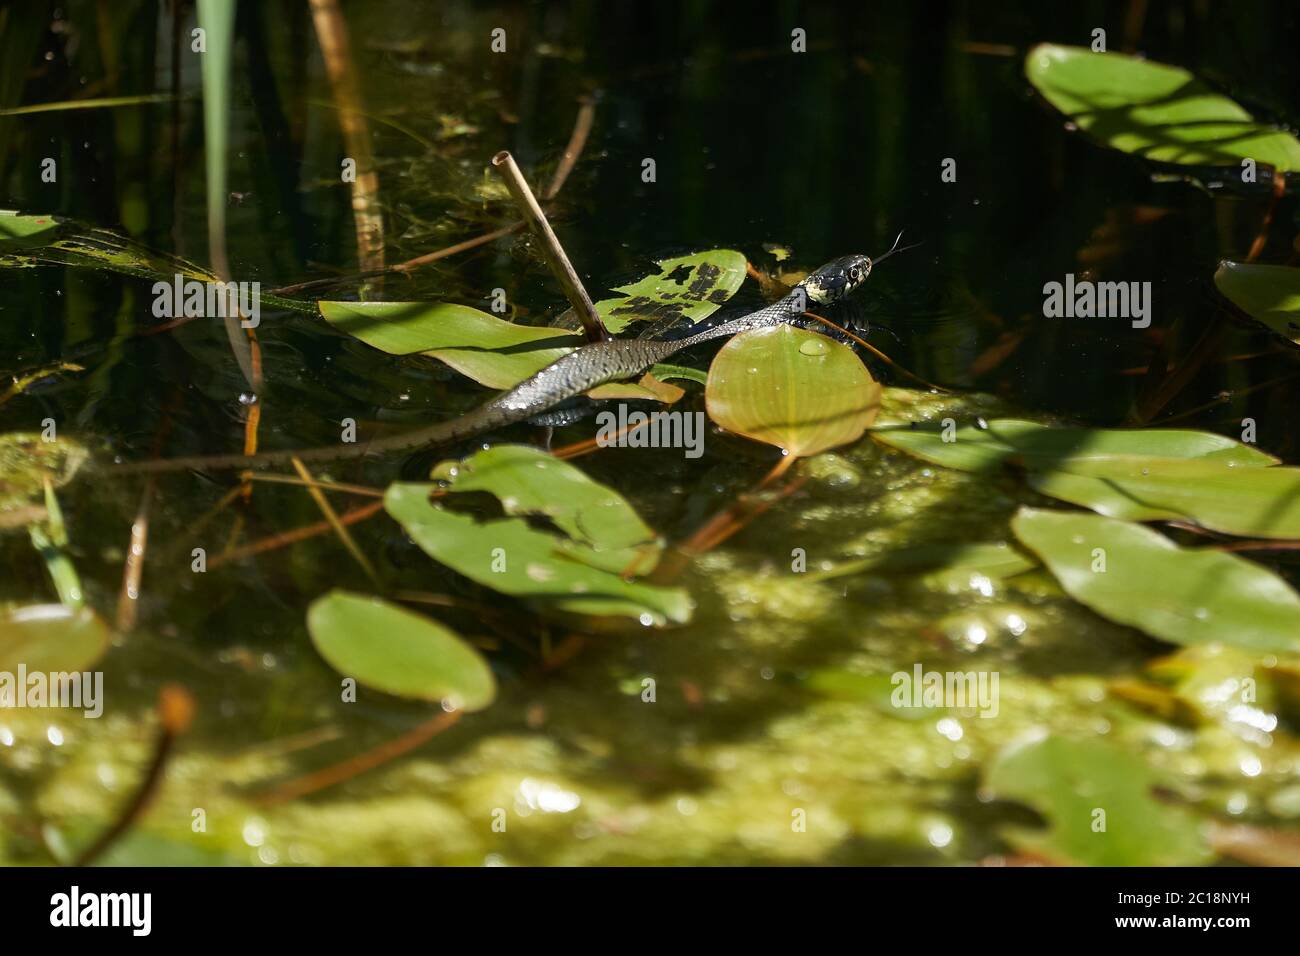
{"x":686,"y":289}
{"x":577,"y":569}
{"x":17,"y":229}
{"x":791,"y":388}
{"x":489,"y":350}
{"x":500,"y":354}
{"x":1160,"y":112}
{"x":398,"y":652}
{"x":50,"y":638}
{"x":1221,"y":496}
{"x":1268,"y":294}
{"x":1138,"y":474}
{"x":1176,"y":594}
{"x":1037,"y":446}
{"x":528,"y":481}
{"x":1072,"y":782}
{"x":941,"y":562}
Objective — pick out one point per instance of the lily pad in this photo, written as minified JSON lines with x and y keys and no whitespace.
{"x":1268,"y":294}
{"x":397,"y":651}
{"x":791,"y":388}
{"x":51,"y":638}
{"x":1153,"y":110}
{"x":1133,"y":575}
{"x":1098,"y":802}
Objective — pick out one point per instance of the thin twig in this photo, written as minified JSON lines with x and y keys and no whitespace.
{"x":577,"y":142}
{"x":878,"y":354}
{"x":1224,"y":398}
{"x":175,"y":711}
{"x":556,"y":258}
{"x":342,"y":487}
{"x":354,"y":766}
{"x":591,"y":444}
{"x":294,"y":536}
{"x":340,"y":529}
{"x":726,"y":522}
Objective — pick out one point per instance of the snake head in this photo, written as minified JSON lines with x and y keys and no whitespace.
{"x":837,"y":279}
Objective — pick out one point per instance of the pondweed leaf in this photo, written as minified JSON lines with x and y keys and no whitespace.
{"x":1268,"y":294}
{"x":489,"y":350}
{"x":1136,"y":576}
{"x":1154,"y":110}
{"x":1042,"y":447}
{"x":1138,"y":474}
{"x":527,"y":480}
{"x":51,"y":637}
{"x":397,"y":651}
{"x":1221,"y":496}
{"x":1098,"y":802}
{"x":581,"y":567}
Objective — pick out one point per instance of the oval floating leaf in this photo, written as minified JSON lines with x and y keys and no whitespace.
{"x":1069,"y":781}
{"x":1268,"y":294}
{"x":489,"y":350}
{"x":1138,"y":474}
{"x":51,"y":637}
{"x":792,"y":388}
{"x":1154,"y":110}
{"x":398,"y":652}
{"x":1218,"y":495}
{"x":1133,"y":575}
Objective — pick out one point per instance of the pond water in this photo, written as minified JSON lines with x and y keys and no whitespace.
{"x":773,"y":704}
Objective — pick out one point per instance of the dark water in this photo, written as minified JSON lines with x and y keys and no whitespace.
{"x":825,"y":152}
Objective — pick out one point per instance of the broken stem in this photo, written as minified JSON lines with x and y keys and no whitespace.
{"x":560,"y":265}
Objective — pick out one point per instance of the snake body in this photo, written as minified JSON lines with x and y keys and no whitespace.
{"x":571,"y":375}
